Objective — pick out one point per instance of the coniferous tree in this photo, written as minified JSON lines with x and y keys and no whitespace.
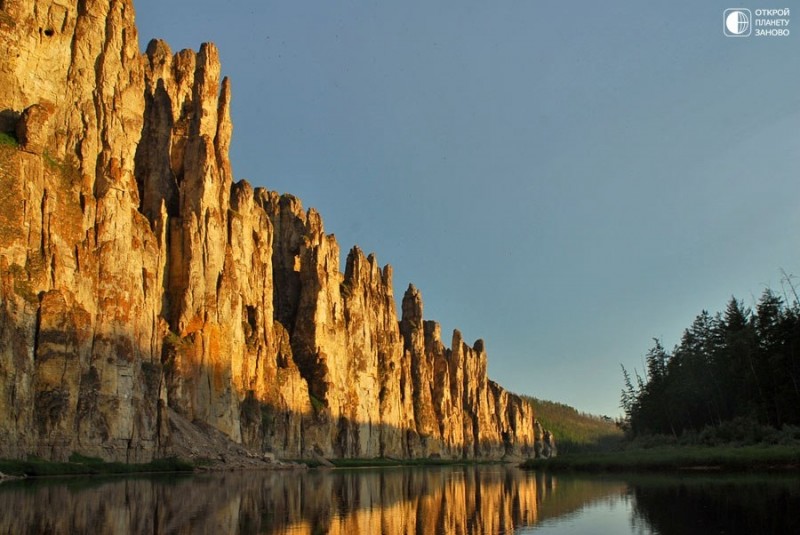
{"x":735,"y":364}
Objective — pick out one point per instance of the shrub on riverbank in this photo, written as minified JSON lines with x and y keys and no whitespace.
{"x":675,"y":458}
{"x":81,"y":465}
{"x":378,"y":462}
{"x":736,"y":432}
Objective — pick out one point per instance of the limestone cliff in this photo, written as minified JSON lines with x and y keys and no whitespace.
{"x":136,"y":276}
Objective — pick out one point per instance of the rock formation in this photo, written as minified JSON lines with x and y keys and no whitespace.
{"x":137,"y":278}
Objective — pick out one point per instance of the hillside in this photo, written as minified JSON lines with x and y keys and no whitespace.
{"x":576,"y":431}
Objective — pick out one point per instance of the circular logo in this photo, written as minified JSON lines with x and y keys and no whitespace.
{"x":737,"y":22}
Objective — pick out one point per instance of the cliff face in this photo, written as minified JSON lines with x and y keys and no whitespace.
{"x":136,"y":276}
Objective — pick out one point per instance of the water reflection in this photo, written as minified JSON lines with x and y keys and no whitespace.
{"x":453,"y":500}
{"x":720,"y":504}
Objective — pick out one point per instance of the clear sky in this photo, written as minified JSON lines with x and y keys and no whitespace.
{"x":564,"y":179}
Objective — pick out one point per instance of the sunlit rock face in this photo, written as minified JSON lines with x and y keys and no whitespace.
{"x":80,"y":299}
{"x":137,"y":276}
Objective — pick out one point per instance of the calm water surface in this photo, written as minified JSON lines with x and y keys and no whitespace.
{"x":452,"y":500}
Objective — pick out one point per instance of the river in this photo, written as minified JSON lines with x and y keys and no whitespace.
{"x":446,"y":500}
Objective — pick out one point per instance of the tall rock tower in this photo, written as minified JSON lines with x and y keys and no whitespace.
{"x":140,"y":285}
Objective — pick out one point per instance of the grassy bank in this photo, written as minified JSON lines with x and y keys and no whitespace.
{"x":80,"y":465}
{"x":677,"y":458}
{"x":380,"y":462}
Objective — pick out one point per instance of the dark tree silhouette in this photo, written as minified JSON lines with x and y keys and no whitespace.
{"x":738,"y":364}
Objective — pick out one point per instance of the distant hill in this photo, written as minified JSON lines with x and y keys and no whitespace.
{"x":576,"y":431}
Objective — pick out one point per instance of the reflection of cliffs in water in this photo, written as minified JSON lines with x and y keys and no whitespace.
{"x":560,"y":496}
{"x":459,"y":500}
{"x":450,"y":500}
{"x":736,"y":504}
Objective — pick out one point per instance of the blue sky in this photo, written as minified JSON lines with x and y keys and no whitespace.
{"x":566,"y":180}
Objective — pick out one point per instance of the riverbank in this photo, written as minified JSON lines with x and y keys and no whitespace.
{"x":388,"y":462}
{"x":80,"y":465}
{"x":676,"y":458}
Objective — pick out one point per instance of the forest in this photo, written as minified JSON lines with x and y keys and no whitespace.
{"x":731,"y":370}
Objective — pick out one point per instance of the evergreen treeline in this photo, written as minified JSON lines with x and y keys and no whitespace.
{"x":739,"y":364}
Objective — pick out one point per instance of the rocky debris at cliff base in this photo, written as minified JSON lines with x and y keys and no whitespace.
{"x":210,"y":449}
{"x":323,"y":462}
{"x":513,"y":459}
{"x":6,"y":477}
